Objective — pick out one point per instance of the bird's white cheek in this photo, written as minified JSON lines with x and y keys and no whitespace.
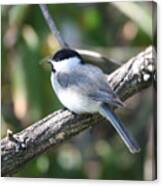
{"x":58,"y":66}
{"x":66,"y":64}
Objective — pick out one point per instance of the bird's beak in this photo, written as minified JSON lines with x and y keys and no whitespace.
{"x":44,"y":61}
{"x":49,"y":61}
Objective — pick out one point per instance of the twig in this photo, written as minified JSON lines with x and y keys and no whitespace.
{"x":52,"y":25}
{"x":63,"y":44}
{"x":130,"y":78}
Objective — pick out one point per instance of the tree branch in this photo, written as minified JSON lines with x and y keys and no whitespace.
{"x":17,"y":149}
{"x":85,"y":53}
{"x":52,"y":25}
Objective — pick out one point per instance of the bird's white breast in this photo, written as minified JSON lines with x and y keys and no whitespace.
{"x":74,"y":101}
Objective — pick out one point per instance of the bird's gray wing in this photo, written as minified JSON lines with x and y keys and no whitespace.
{"x":106,"y":97}
{"x":76,"y":80}
{"x":63,"y":79}
{"x":104,"y":92}
{"x":91,"y":82}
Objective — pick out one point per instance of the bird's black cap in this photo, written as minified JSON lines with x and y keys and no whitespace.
{"x":65,"y":54}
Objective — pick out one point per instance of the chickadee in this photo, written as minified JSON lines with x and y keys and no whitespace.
{"x":83,"y":88}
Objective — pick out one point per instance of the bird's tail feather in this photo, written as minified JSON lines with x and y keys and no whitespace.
{"x":120,"y":128}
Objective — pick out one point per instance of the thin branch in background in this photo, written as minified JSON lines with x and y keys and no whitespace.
{"x":87,"y":53}
{"x":52,"y":25}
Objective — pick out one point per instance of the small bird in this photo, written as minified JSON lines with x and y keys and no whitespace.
{"x":83,"y":88}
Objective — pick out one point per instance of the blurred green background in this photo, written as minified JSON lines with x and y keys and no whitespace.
{"x":117,"y":30}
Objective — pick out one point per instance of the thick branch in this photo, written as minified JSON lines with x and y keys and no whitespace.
{"x":16,"y":149}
